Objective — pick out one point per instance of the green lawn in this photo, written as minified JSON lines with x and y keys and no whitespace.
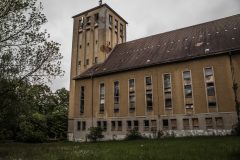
{"x":199,"y":148}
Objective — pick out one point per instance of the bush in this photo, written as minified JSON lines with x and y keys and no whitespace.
{"x":95,"y":134}
{"x":133,"y":135}
{"x":236,"y":129}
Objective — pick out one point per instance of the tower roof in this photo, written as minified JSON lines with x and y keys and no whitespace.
{"x":202,"y":40}
{"x":100,"y":6}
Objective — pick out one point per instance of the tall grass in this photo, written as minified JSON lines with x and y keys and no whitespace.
{"x":198,"y":148}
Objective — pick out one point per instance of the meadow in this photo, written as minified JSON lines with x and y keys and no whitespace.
{"x":191,"y":148}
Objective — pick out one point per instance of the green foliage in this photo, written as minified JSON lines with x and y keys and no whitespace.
{"x":95,"y":134}
{"x":236,"y":129}
{"x":196,"y":148}
{"x":134,"y":134}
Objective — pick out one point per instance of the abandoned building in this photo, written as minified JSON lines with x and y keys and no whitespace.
{"x":179,"y":82}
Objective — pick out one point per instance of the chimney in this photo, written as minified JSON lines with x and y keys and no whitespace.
{"x":100,"y":2}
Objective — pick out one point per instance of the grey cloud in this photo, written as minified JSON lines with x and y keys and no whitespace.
{"x":145,"y":17}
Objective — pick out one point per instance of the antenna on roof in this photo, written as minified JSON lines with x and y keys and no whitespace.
{"x":100,"y":2}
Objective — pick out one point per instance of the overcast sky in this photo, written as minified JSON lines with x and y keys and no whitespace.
{"x":145,"y":18}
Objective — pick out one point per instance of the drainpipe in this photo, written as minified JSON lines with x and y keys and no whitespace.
{"x":92,"y":95}
{"x":235,"y":87}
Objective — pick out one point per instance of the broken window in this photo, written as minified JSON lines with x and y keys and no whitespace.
{"x":78,"y":125}
{"x":135,"y":124}
{"x":167,"y":91}
{"x":219,"y":122}
{"x":149,"y":98}
{"x":82,"y":96}
{"x":210,"y":87}
{"x":173,"y":124}
{"x":146,"y":125}
{"x":119,"y":125}
{"x":186,"y":125}
{"x":129,"y":125}
{"x":102,"y":97}
{"x":116,"y":96}
{"x":83,"y":125}
{"x":153,"y":125}
{"x":209,"y":123}
{"x":165,"y":124}
{"x":131,"y":95}
{"x":195,"y":123}
{"x":113,"y":125}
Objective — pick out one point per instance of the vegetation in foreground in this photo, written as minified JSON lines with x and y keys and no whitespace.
{"x":198,"y":148}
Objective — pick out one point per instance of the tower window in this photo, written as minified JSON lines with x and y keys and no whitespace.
{"x":89,"y":20}
{"x":87,"y":62}
{"x":79,"y":63}
{"x":80,"y":46}
{"x":116,"y":24}
{"x":110,"y":19}
{"x":96,"y":59}
{"x":96,"y":18}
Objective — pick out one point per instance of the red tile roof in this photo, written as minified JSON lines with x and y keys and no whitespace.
{"x":207,"y":39}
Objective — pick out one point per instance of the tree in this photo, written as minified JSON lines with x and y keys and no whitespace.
{"x":26,"y":53}
{"x":95,"y":134}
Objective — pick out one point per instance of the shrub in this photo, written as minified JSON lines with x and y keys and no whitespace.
{"x":236,"y":129}
{"x":95,"y":134}
{"x":133,"y":135}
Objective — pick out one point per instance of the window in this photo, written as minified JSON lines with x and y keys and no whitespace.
{"x":89,"y":20}
{"x":121,"y":27}
{"x":153,"y":125}
{"x":84,"y":126}
{"x":146,"y":125}
{"x":210,"y":87}
{"x":165,"y":124}
{"x":113,"y":125}
{"x":167,"y":91}
{"x":116,"y":96}
{"x":96,"y":18}
{"x":219,"y":122}
{"x":209,"y":123}
{"x":81,"y":125}
{"x":104,"y":125}
{"x":186,"y":125}
{"x":102,"y":97}
{"x":99,"y":124}
{"x":78,"y":125}
{"x":131,"y":95}
{"x":110,"y":19}
{"x":149,"y":98}
{"x":129,"y":125}
{"x":87,"y":61}
{"x":135,"y":124}
{"x":96,"y":59}
{"x":82,"y":99}
{"x":116,"y":24}
{"x":119,"y":125}
{"x":187,"y":84}
{"x":173,"y":124}
{"x":195,"y":123}
{"x":79,"y":63}
{"x":81,"y":23}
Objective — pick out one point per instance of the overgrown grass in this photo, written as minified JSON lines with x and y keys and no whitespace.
{"x":198,"y":148}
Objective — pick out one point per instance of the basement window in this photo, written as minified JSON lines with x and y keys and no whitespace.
{"x":146,"y":125}
{"x":165,"y":124}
